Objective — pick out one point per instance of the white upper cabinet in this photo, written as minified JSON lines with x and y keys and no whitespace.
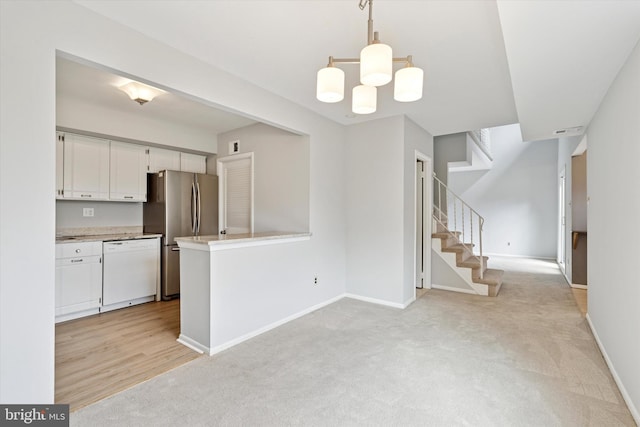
{"x":86,"y":167}
{"x":99,"y":169}
{"x":59,"y":164}
{"x":193,"y":163}
{"x":161,"y":159}
{"x":128,"y":172}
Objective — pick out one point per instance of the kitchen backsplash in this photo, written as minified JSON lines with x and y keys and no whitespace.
{"x":70,"y":214}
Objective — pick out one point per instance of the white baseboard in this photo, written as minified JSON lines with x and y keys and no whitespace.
{"x":625,"y":395}
{"x":245,"y":337}
{"x":408,"y":302}
{"x":490,"y":254}
{"x":378,"y":301}
{"x":192,"y":344}
{"x":452,"y":289}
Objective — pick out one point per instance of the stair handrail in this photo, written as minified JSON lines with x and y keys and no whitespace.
{"x":439,"y":214}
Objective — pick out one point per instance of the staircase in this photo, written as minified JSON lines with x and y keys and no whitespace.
{"x":458,"y":242}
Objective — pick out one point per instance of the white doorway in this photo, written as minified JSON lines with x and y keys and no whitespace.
{"x":562,"y":220}
{"x":235,"y":177}
{"x":423,"y":208}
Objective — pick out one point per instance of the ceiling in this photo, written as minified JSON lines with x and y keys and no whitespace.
{"x":96,"y":86}
{"x":544,"y":64}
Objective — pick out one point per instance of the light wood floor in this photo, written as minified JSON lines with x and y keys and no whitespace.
{"x":580,"y":296}
{"x":101,"y":355}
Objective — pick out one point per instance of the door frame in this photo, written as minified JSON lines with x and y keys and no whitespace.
{"x":427,"y":208}
{"x":562,"y":220}
{"x":221,"y":164}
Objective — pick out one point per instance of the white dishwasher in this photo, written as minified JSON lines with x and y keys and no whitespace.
{"x":130,"y":272}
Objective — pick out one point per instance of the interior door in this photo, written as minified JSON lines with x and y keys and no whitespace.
{"x":236,"y":193}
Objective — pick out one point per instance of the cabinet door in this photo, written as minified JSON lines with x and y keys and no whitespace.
{"x":59,"y":164}
{"x":78,"y":284}
{"x":86,"y":167}
{"x":193,"y":163}
{"x":128,"y":172}
{"x":161,"y":159}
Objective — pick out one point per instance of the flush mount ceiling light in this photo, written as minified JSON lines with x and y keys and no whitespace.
{"x":376,"y":68}
{"x":140,"y":92}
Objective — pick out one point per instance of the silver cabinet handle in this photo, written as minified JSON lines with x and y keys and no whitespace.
{"x":199,"y":205}
{"x":77,"y":260}
{"x":128,"y":197}
{"x":175,"y":249}
{"x":85,"y":195}
{"x":193,"y":208}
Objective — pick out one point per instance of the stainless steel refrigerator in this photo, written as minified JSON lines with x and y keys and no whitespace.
{"x":179,"y":204}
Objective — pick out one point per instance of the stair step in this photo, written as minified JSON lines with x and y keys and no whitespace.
{"x":445,"y":234}
{"x":473,"y":262}
{"x":492,"y":278}
{"x":458,"y":247}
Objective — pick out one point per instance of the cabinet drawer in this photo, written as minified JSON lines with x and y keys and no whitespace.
{"x":78,"y":249}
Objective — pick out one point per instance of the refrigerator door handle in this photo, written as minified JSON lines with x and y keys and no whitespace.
{"x":199,"y":207}
{"x":193,"y":208}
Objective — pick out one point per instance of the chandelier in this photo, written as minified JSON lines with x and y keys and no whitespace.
{"x":376,"y":68}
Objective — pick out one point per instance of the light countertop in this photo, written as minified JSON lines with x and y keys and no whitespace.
{"x":104,"y":237}
{"x":102,"y":234}
{"x":242,"y":239}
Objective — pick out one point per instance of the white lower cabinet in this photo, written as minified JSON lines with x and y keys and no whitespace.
{"x":78,"y":279}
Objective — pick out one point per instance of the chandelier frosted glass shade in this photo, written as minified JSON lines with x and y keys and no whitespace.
{"x":376,"y":64}
{"x":408,"y":84}
{"x":330,"y":85}
{"x":364,"y":99}
{"x":376,"y":69}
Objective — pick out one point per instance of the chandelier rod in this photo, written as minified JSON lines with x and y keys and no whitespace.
{"x":408,"y":60}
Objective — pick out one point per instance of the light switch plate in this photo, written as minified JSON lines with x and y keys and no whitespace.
{"x":87,"y":211}
{"x":234,"y":146}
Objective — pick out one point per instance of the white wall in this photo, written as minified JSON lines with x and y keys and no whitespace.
{"x":415,"y":139}
{"x":614,"y":193}
{"x":443,"y":275}
{"x":517,"y":197}
{"x":375,"y":198}
{"x":380,"y":178}
{"x":448,"y":148}
{"x":30,"y":34}
{"x":85,"y":116}
{"x":106,"y":214}
{"x":281,"y":175}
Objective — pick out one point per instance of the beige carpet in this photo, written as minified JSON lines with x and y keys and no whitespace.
{"x":525,"y":358}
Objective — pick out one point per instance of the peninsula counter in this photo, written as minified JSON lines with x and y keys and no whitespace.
{"x":235,"y":286}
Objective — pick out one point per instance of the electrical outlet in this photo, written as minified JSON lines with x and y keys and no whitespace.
{"x":87,"y":211}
